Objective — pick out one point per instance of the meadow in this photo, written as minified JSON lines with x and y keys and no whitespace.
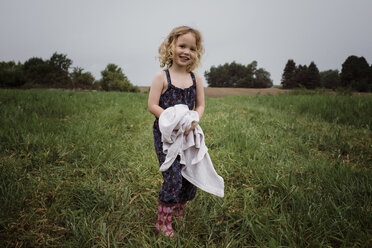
{"x":78,"y":169}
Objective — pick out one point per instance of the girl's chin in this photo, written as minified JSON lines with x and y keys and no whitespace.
{"x":184,"y":63}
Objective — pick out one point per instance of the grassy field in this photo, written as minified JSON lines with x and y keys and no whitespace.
{"x":78,"y":169}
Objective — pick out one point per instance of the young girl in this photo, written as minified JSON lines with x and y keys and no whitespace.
{"x":180,"y":52}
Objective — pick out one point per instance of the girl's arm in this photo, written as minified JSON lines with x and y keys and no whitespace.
{"x":154,"y":95}
{"x":200,"y":103}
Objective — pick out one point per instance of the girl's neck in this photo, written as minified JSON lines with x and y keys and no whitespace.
{"x":178,"y":69}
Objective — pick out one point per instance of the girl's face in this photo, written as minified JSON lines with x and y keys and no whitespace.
{"x":185,"y":50}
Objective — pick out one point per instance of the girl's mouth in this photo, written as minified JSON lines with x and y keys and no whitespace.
{"x":184,"y":58}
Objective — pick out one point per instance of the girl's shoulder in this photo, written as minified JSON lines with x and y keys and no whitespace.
{"x":159,"y":77}
{"x":160,"y":81}
{"x":198,"y":78}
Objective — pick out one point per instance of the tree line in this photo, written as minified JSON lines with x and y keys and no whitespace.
{"x":55,"y":73}
{"x":356,"y":74}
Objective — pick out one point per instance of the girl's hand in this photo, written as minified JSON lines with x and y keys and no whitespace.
{"x":194,"y":124}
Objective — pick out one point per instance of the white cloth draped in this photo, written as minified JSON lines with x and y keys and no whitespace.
{"x":198,"y":168}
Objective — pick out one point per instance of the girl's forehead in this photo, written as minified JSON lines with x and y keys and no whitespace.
{"x":188,"y":37}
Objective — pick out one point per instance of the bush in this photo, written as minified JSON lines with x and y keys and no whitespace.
{"x":80,"y":79}
{"x":11,"y":75}
{"x":113,"y":79}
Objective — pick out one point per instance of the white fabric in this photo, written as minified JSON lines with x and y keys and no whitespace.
{"x":198,"y":169}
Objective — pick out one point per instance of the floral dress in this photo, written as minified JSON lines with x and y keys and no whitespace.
{"x":175,"y":188}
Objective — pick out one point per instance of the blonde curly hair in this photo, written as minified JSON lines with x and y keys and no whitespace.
{"x":166,"y":49}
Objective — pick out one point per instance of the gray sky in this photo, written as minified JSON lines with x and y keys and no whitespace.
{"x":94,"y":33}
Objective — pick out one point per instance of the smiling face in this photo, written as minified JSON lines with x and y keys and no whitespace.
{"x":192,"y":40}
{"x":184,"y":50}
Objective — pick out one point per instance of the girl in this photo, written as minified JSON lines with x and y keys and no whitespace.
{"x":180,"y":52}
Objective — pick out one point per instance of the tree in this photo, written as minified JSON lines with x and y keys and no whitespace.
{"x":288,"y":75}
{"x":82,"y":79}
{"x":36,"y":70}
{"x":60,"y":61}
{"x":247,"y":79}
{"x":11,"y":74}
{"x":312,"y":77}
{"x":113,"y":78}
{"x":237,"y":75}
{"x":330,"y":79}
{"x":295,"y":76}
{"x":370,"y":79}
{"x":226,"y":75}
{"x":58,"y":75}
{"x":235,"y":72}
{"x":300,"y":76}
{"x":50,"y":73}
{"x":355,"y":73}
{"x":262,"y":79}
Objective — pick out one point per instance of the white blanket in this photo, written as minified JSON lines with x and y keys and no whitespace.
{"x":198,"y":169}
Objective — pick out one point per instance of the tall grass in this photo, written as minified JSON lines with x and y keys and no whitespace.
{"x":78,"y":169}
{"x":346,"y":110}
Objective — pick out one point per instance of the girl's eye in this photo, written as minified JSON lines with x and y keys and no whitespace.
{"x":182,"y":46}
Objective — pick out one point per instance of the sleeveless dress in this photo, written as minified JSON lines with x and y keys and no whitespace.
{"x":175,"y":188}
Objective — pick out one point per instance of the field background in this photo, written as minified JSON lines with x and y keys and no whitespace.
{"x":223,"y":92}
{"x":78,"y":169}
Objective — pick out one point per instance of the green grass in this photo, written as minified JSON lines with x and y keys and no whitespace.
{"x":78,"y":169}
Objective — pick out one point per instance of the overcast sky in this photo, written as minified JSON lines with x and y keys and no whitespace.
{"x":94,"y":33}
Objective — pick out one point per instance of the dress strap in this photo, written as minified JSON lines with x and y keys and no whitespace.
{"x":168,"y":76}
{"x":193,"y":78}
